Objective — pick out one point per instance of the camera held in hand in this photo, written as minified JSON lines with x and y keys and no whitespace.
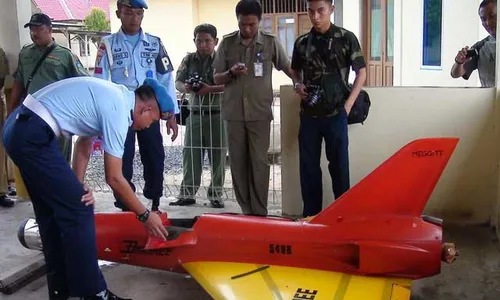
{"x":314,"y":94}
{"x":195,"y":82}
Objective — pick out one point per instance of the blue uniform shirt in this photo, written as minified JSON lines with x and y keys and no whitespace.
{"x":128,"y":60}
{"x":86,"y":106}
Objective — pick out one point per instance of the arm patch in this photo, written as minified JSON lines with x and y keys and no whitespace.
{"x":163,"y":62}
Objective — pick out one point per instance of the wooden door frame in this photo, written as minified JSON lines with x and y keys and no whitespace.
{"x":366,"y":35}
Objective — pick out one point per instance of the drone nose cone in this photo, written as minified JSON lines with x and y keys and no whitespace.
{"x":29,"y":235}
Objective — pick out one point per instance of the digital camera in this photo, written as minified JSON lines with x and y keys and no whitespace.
{"x":195,"y":81}
{"x":314,"y":94}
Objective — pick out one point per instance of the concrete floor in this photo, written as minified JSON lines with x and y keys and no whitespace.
{"x":474,"y":276}
{"x":133,"y":282}
{"x":476,"y":273}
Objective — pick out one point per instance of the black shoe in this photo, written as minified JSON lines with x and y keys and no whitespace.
{"x":6,"y":202}
{"x":183,"y":202}
{"x":106,"y":295}
{"x":217,"y":203}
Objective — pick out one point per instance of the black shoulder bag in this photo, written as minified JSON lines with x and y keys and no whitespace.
{"x":39,"y":63}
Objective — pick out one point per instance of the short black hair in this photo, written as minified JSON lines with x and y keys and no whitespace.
{"x":206,"y":28}
{"x":145,"y":93}
{"x":249,"y":7}
{"x":327,"y":1}
{"x":486,"y":2}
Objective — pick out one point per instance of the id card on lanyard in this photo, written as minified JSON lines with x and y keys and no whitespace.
{"x":258,"y":66}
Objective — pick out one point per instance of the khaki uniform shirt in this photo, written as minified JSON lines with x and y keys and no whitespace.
{"x":61,"y":63}
{"x":194,"y":63}
{"x":247,"y":97}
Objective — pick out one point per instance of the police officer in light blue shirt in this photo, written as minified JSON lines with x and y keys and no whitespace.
{"x":128,"y":57}
{"x":63,"y":204}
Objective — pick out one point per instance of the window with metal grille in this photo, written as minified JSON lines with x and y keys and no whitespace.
{"x":283,"y":6}
{"x":284,"y":19}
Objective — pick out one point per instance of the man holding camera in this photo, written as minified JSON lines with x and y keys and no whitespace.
{"x":244,"y":63}
{"x":481,"y":55}
{"x":321,"y":62}
{"x":205,"y":130}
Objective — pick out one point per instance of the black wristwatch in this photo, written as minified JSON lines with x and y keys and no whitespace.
{"x":230,"y":73}
{"x":144,"y":217}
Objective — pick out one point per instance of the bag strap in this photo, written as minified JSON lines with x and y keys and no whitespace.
{"x":335,"y":54}
{"x":39,"y":63}
{"x":337,"y":63}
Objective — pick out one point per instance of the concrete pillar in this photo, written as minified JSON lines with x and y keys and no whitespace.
{"x":290,"y":176}
{"x":13,"y":15}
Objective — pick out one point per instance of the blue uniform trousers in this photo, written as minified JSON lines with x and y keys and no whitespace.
{"x":311,"y":133}
{"x":66,"y":225}
{"x":152,"y":158}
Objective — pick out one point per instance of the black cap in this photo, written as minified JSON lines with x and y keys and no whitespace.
{"x":39,"y":19}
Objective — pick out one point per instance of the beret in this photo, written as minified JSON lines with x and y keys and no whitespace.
{"x":165,"y":102}
{"x":134,"y":3}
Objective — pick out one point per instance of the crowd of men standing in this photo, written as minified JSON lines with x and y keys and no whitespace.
{"x":229,"y":110}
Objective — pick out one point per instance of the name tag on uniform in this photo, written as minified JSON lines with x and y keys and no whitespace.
{"x":258,"y":69}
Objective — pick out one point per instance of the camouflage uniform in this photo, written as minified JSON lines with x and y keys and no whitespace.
{"x":315,"y":56}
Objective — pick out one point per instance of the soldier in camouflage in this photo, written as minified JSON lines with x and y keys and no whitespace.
{"x":321,"y":62}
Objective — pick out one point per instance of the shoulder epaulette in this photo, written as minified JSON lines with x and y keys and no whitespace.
{"x":151,"y":35}
{"x":230,"y":34}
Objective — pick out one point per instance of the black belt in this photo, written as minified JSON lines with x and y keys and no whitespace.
{"x":205,"y":112}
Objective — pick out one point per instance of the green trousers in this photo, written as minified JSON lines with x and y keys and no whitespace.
{"x":204,"y":133}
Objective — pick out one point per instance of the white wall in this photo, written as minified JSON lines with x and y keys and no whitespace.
{"x":171,"y":20}
{"x":467,"y":191}
{"x":12,"y":32}
{"x":460,"y":27}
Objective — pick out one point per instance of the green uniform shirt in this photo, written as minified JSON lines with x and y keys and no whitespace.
{"x":194,"y":63}
{"x":60,"y":64}
{"x":248,"y":97}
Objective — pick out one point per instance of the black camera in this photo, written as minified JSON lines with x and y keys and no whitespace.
{"x":472,"y":53}
{"x":314,"y":94}
{"x":195,"y":81}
